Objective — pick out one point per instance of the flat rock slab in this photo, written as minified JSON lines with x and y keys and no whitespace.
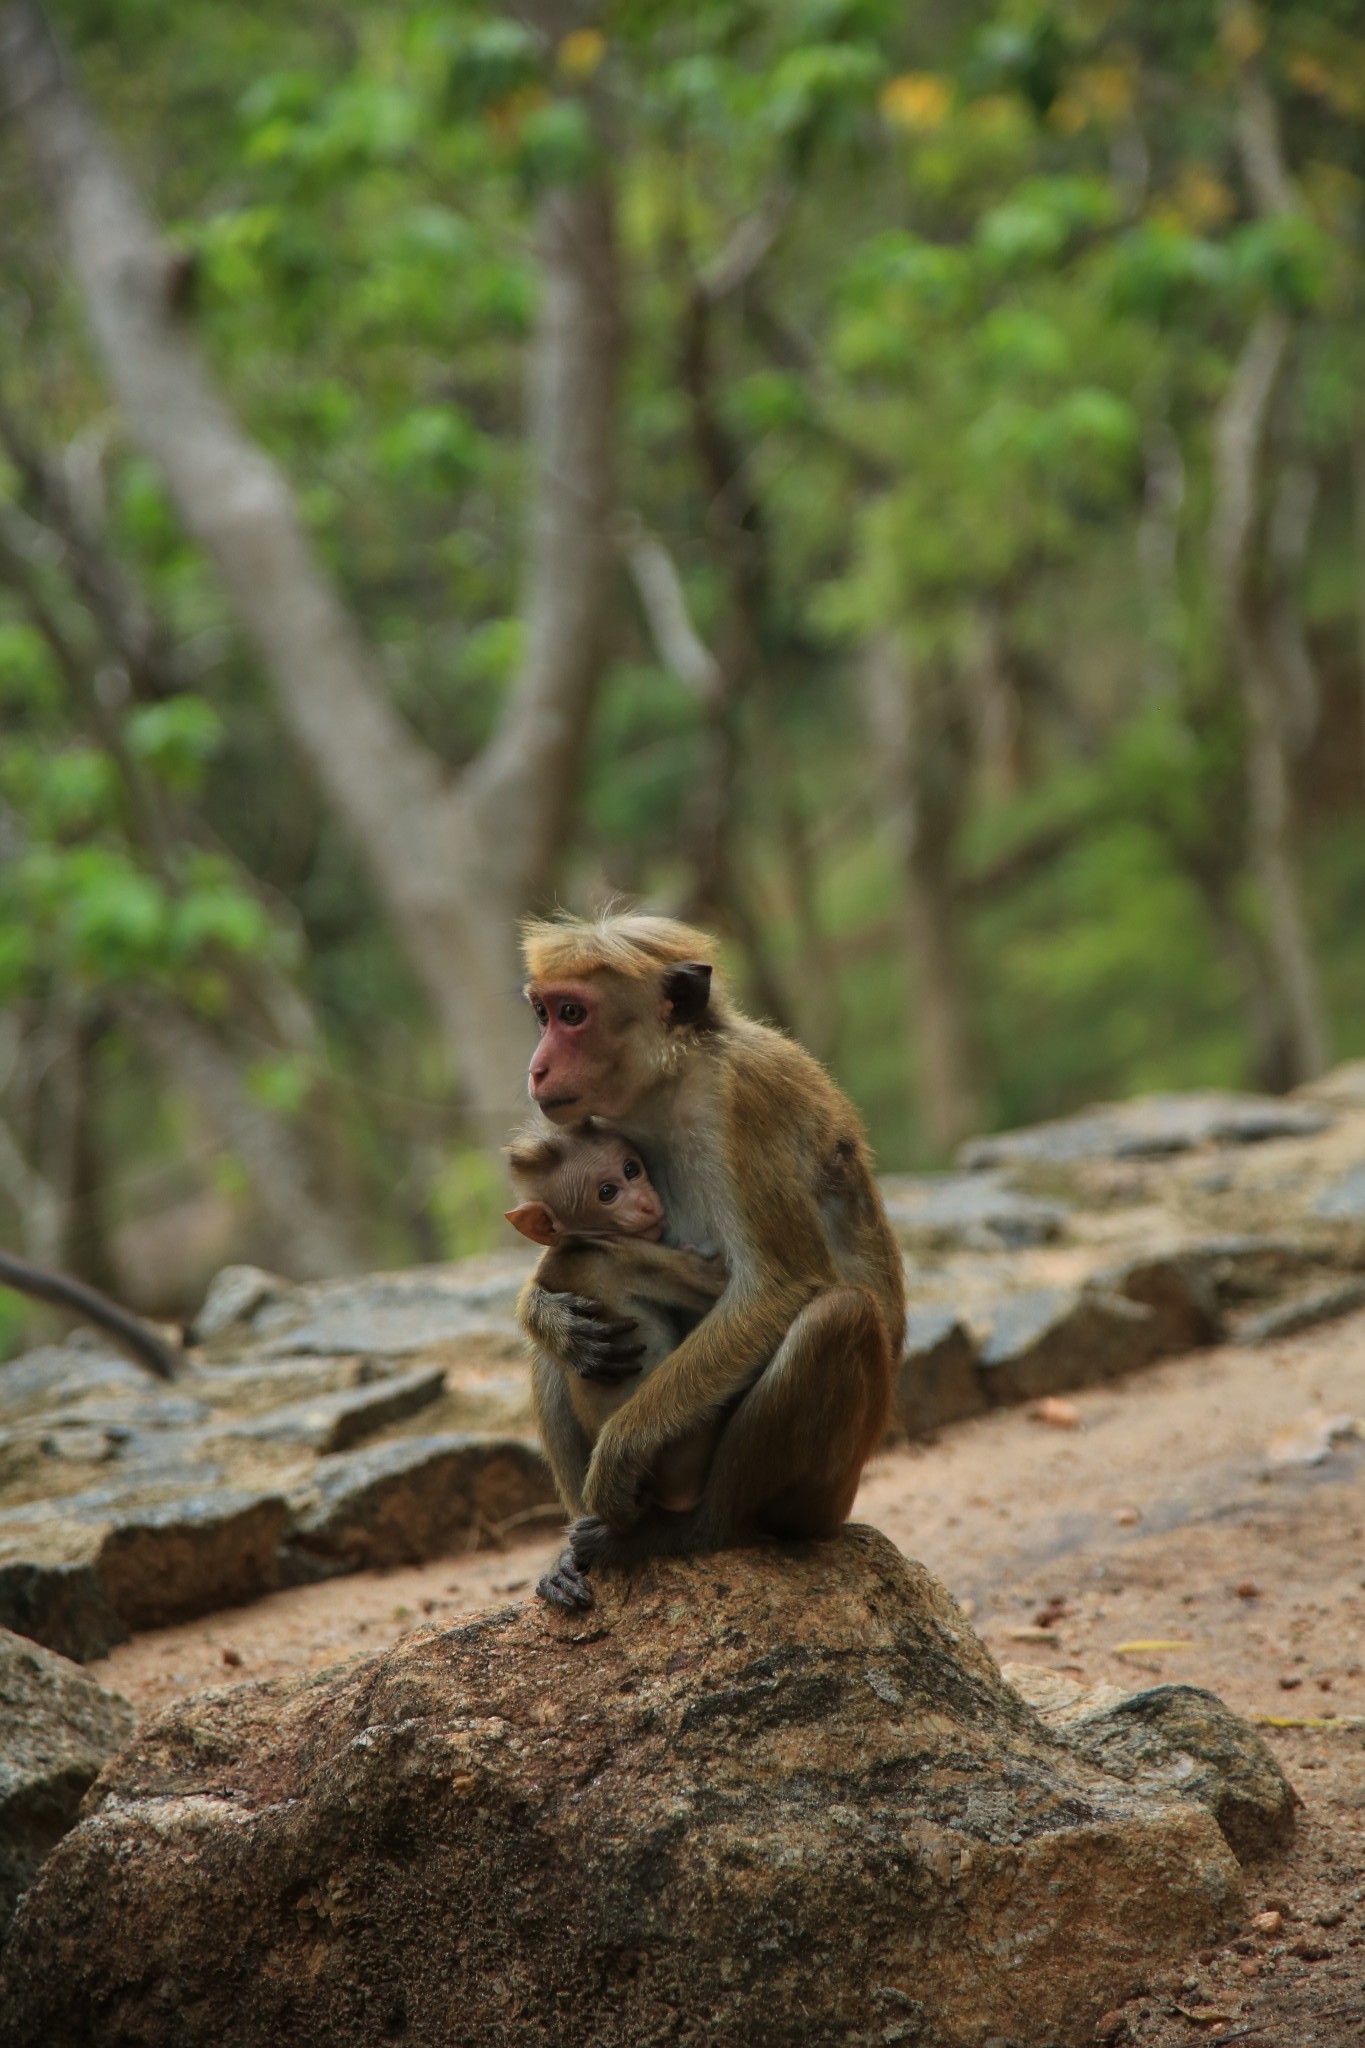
{"x":939,"y":1381}
{"x":57,"y":1728}
{"x":976,"y":1210}
{"x":771,"y":1798}
{"x":81,"y":1572}
{"x":401,"y":1502}
{"x":1178,"y":1739}
{"x":1344,"y":1200}
{"x":333,"y":1422}
{"x":1148,"y":1127}
{"x":1045,"y":1340}
{"x":60,"y":1603}
{"x":393,"y":1314}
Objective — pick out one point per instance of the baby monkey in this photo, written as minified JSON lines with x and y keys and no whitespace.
{"x":587,"y":1198}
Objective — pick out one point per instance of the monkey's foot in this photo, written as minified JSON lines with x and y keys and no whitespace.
{"x":565,"y":1585}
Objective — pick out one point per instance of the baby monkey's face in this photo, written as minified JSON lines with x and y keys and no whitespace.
{"x":616,"y":1195}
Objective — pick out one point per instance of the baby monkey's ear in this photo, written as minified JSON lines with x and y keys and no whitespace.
{"x":535,"y":1220}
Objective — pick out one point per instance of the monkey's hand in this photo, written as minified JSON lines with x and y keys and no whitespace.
{"x":583,"y":1335}
{"x":565,"y":1585}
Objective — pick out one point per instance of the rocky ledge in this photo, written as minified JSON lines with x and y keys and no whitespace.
{"x":386,"y":1418}
{"x":770,"y":1798}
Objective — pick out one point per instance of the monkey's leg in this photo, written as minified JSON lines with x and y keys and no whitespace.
{"x":567,"y":1448}
{"x":792,"y":1452}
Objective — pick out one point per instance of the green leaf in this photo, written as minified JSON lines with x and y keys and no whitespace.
{"x":175,"y":738}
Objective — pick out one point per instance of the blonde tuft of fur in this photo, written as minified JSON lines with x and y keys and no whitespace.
{"x":629,"y":943}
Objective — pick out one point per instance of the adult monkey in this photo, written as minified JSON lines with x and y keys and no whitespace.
{"x":756,"y":1154}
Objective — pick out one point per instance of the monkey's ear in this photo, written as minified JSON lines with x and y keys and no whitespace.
{"x":687,"y":991}
{"x":535,"y":1220}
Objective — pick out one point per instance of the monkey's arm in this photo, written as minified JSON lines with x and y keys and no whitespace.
{"x":671,"y":1276}
{"x":128,"y":1330}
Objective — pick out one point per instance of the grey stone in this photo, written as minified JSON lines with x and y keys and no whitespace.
{"x":689,"y":1815}
{"x":1177,"y":1740}
{"x":58,"y":1374}
{"x":1344,"y":1201}
{"x":939,"y":1381}
{"x":975,"y":1210}
{"x":332,"y":1422}
{"x":1148,"y":1127}
{"x":233,"y":1298}
{"x":1324,"y":1305}
{"x":60,"y":1604}
{"x":59,"y":1728}
{"x":402,"y":1502}
{"x":393,"y":1314}
{"x":1045,"y":1340}
{"x":1179,"y":1288}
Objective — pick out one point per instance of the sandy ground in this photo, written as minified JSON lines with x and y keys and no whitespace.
{"x":1203,"y":1522}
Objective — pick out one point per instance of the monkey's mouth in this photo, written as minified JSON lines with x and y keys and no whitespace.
{"x":550,"y":1103}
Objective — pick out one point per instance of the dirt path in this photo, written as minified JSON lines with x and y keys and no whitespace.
{"x":1183,"y":1510}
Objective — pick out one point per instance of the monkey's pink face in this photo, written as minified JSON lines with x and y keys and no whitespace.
{"x":577,"y":1070}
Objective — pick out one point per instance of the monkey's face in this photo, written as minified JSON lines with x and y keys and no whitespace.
{"x":620,"y":1197}
{"x":597,"y":1049}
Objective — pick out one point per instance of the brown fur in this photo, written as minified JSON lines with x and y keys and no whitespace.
{"x":753,"y":1149}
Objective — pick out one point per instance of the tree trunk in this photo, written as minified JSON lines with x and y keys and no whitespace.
{"x":1240,"y":436}
{"x":921,"y":759}
{"x":454,"y":864}
{"x":310,"y":1238}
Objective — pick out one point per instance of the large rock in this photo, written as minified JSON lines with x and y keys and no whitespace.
{"x":58,"y":1728}
{"x":773,"y":1798}
{"x":1176,"y":1739}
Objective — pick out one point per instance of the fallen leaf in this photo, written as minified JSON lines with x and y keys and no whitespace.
{"x":1030,"y":1634}
{"x":1309,"y":1441}
{"x":1310,"y":1720}
{"x":1055,"y":1412}
{"x":1205,"y":2015}
{"x":1144,"y":1646}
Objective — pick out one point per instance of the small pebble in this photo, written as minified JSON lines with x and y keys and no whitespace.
{"x":1268,"y":1923}
{"x":1289,"y":1680}
{"x":231,"y":1657}
{"x":1127,"y":1518}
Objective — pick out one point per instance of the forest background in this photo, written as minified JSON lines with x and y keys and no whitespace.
{"x":884,"y":481}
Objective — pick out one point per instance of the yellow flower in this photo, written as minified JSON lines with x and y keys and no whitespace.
{"x":580,"y":53}
{"x":1242,"y":33}
{"x":916,"y":100}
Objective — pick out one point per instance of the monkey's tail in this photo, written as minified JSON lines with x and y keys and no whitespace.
{"x":128,"y":1330}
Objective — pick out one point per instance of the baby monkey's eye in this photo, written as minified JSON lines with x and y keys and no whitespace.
{"x":632,"y":1169}
{"x":608,"y":1191}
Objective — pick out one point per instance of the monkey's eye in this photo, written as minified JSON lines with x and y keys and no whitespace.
{"x":631,"y":1169}
{"x":572,"y":1013}
{"x":608,"y":1191}
{"x":541,"y":1012}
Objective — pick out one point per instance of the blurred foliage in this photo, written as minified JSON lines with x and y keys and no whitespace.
{"x":970,"y":386}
